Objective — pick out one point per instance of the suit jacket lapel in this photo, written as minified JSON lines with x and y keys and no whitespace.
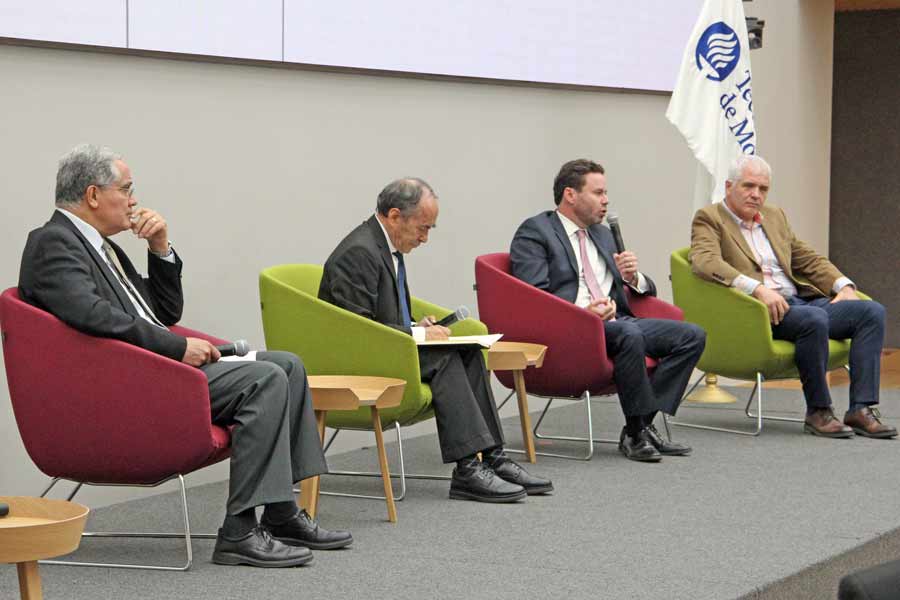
{"x":387,"y":259}
{"x":111,"y":280}
{"x":734,"y":230}
{"x":560,"y":232}
{"x":604,"y":253}
{"x":775,"y":242}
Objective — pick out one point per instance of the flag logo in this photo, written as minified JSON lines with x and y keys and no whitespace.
{"x":718,"y":51}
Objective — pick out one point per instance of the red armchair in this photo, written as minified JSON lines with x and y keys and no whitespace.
{"x":576,"y":365}
{"x":103,"y":412}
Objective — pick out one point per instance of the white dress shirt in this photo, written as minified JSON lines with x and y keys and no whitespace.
{"x":603,"y":274}
{"x":96,"y":240}
{"x":774,"y":276}
{"x":418,"y":333}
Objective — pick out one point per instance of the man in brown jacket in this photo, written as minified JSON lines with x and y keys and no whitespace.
{"x":748,"y":245}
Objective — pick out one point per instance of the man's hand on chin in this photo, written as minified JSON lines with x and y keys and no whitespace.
{"x":150,"y":225}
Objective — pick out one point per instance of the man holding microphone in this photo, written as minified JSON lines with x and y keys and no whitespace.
{"x":569,"y":253}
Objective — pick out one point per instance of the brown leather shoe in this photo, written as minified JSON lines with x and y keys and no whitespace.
{"x":867,"y":421}
{"x":823,"y":422}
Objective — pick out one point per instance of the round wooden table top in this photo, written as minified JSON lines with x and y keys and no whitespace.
{"x":349,"y":392}
{"x":38,"y":528}
{"x":506,"y":356}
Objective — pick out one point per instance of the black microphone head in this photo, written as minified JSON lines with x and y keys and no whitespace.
{"x":241,"y":348}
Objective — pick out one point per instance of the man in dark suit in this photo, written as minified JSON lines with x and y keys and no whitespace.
{"x":72,"y":269}
{"x":366,"y":274}
{"x":568,"y":253}
{"x":749,"y":245}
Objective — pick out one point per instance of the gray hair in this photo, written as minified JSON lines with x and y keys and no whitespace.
{"x":83,"y":166}
{"x":736,"y":169}
{"x":403,"y":194}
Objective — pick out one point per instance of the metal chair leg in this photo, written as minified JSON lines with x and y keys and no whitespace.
{"x":786,"y":419}
{"x":403,"y":475}
{"x":586,"y":397}
{"x":187,"y":535}
{"x":505,"y":400}
{"x":759,"y":419}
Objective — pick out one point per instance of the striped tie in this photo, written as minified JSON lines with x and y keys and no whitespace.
{"x":126,"y":283}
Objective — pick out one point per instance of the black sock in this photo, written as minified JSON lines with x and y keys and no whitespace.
{"x":492,"y":455}
{"x":633,"y":425}
{"x":239,"y":525}
{"x":280,"y":512}
{"x":466,"y":463}
{"x":648,"y":419}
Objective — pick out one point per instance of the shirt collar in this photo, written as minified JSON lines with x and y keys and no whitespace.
{"x":757,"y":220}
{"x":87,"y":230}
{"x":568,"y":224}
{"x":386,"y":236}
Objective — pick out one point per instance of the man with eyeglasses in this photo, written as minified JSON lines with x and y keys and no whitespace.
{"x":72,"y":269}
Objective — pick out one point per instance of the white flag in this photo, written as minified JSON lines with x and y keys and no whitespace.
{"x":712,"y":104}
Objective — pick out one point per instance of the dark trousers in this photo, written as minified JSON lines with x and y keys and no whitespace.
{"x":675,"y":344}
{"x":810,"y":324}
{"x":274,"y":440}
{"x":467,"y":419}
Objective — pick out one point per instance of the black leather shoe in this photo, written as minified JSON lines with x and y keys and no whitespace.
{"x":511,"y":471}
{"x":665,"y":447}
{"x":303,"y":530}
{"x":257,"y":548}
{"x":638,"y":447}
{"x":480,"y":483}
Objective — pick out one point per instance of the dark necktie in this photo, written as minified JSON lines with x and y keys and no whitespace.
{"x":401,"y":290}
{"x":126,"y":283}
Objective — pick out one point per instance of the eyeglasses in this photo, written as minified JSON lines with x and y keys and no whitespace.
{"x":128,"y":190}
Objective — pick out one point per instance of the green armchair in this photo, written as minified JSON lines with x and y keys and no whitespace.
{"x":334,"y":341}
{"x":739,"y":342}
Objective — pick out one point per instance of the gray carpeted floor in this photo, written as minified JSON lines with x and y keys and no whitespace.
{"x":739,"y":515}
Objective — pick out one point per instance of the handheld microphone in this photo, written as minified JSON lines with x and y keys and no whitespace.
{"x":613,"y":221}
{"x":457,"y":315}
{"x":238,"y":348}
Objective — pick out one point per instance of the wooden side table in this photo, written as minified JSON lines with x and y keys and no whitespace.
{"x":516,"y":357}
{"x":350,"y":392}
{"x":38,"y":528}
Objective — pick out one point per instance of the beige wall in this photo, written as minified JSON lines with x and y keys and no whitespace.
{"x":255,"y":166}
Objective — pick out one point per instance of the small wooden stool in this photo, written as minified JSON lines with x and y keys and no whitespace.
{"x":350,"y":392}
{"x":38,"y":528}
{"x":516,"y":357}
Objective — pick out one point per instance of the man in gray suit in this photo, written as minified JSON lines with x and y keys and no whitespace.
{"x":72,"y":269}
{"x":366,"y":274}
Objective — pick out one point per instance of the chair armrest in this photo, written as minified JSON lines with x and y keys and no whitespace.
{"x":469,"y":326}
{"x":187,"y":332}
{"x":650,"y":307}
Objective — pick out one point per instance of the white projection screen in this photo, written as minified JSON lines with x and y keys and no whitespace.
{"x":631,"y":44}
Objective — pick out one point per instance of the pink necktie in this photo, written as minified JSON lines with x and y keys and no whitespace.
{"x":589,"y":277}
